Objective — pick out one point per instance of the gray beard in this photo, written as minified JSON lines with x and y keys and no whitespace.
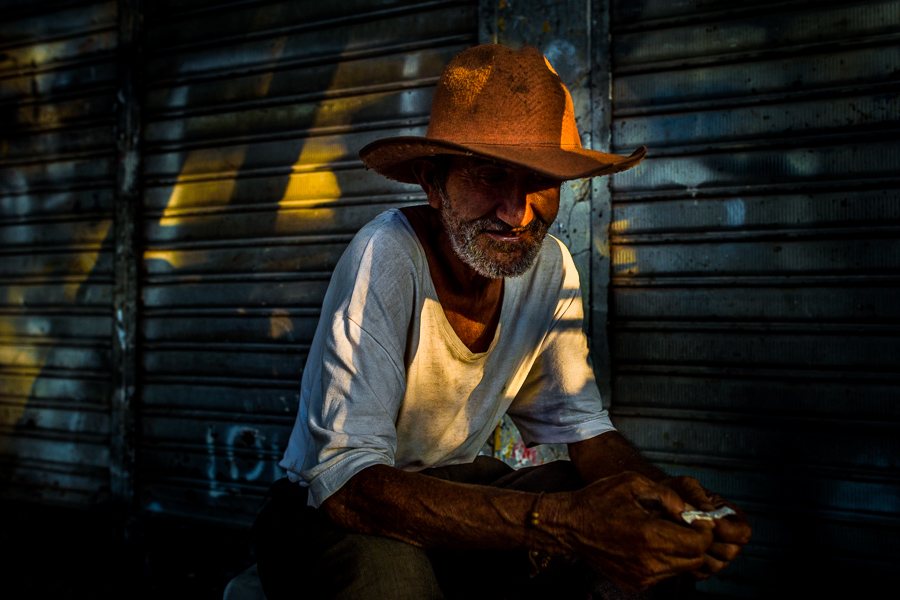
{"x":487,"y":257}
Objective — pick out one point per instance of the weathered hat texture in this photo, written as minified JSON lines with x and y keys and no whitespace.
{"x":504,"y":105}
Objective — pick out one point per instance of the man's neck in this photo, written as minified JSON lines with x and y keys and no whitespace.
{"x":471,"y":302}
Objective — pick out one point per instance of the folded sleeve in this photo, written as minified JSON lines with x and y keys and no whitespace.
{"x":356,"y":375}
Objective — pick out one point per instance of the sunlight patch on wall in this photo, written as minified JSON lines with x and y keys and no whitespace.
{"x":624,"y":261}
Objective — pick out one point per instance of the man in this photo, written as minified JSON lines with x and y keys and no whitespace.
{"x":438,"y":320}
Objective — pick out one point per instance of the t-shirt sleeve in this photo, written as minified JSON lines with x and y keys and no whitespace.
{"x":559,"y":401}
{"x":357,"y":376}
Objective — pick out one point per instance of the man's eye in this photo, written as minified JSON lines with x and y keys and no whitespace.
{"x":492,"y":178}
{"x":543,"y":183}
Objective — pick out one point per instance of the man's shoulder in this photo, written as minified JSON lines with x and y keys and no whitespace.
{"x":554,"y":260}
{"x":387,"y":236}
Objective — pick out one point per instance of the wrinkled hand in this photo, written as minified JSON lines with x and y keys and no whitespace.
{"x":625,"y":527}
{"x":730,"y":534}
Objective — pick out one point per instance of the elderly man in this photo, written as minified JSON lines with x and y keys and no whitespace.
{"x":441,"y":318}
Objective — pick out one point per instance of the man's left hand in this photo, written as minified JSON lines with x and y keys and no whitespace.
{"x":730,"y":533}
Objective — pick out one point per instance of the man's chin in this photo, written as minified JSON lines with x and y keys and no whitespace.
{"x":499,"y":265}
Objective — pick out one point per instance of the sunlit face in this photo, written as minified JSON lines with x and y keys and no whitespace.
{"x":496,"y":215}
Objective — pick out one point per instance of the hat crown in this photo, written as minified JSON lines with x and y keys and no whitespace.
{"x":491,"y":94}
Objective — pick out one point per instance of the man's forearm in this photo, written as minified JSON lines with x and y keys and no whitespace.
{"x":429,"y":512}
{"x":610,"y":454}
{"x":624,"y":525}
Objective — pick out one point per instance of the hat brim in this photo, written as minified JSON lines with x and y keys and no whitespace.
{"x":394,"y":157}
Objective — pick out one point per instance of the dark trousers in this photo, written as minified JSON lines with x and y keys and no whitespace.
{"x":301,"y":553}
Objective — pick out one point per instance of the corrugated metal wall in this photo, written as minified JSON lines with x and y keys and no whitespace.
{"x":755,"y":322}
{"x":753,"y":310}
{"x":254,"y":115}
{"x":57,"y":181}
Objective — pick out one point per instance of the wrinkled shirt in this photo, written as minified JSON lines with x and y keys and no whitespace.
{"x":388,"y":381}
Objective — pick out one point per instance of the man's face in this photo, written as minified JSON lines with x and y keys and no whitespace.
{"x":497,"y":215}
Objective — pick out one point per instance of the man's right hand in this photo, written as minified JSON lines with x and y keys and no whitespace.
{"x":627,"y":527}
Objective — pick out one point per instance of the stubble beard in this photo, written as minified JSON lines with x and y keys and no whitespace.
{"x":486,"y":256}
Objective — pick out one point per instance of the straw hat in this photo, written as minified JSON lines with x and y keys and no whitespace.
{"x":503,"y":105}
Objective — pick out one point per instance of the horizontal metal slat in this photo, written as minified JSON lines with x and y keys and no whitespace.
{"x":254,"y":467}
{"x":757,"y":349}
{"x":57,"y":176}
{"x":46,"y":147}
{"x":764,"y":394}
{"x":832,"y":116}
{"x":97,"y":265}
{"x":251,"y":399}
{"x":858,"y":304}
{"x":279,"y":157}
{"x":433,"y":23}
{"x":345,"y":112}
{"x":87,"y":294}
{"x":57,"y":22}
{"x":47,"y":235}
{"x":627,"y":12}
{"x":32,"y":481}
{"x":215,"y":435}
{"x":782,"y":257}
{"x":168,"y":10}
{"x":26,"y":417}
{"x":237,"y":329}
{"x":848,"y":449}
{"x":773,"y":30}
{"x":852,"y":537}
{"x":93,"y":47}
{"x":810,"y":490}
{"x":67,"y":202}
{"x":83,"y":451}
{"x":756,"y":81}
{"x":58,"y":355}
{"x":302,"y":83}
{"x":82,"y":326}
{"x":210,"y":364}
{"x":41,"y":387}
{"x":232,"y":505}
{"x":210,"y":265}
{"x":848,"y":208}
{"x":37,"y":86}
{"x":87,"y":110}
{"x":230,"y":22}
{"x":734,"y":168}
{"x":282,"y":294}
{"x":248,"y":226}
{"x":313,"y":189}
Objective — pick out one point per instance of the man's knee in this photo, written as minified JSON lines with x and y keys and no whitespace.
{"x":354,"y":565}
{"x":301,"y":553}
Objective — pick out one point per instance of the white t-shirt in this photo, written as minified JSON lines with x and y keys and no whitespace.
{"x":388,"y":381}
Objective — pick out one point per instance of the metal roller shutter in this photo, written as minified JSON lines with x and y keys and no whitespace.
{"x":57,"y":189}
{"x":753,"y":305}
{"x":254,"y":114}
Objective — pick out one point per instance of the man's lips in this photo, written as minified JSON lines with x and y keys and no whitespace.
{"x":507,"y":236}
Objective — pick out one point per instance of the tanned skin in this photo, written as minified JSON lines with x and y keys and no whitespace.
{"x":625,"y":523}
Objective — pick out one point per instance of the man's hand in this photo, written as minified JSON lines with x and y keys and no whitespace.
{"x":626,"y":527}
{"x":730,"y":533}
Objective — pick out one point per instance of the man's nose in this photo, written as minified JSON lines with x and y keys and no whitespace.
{"x":515,"y":207}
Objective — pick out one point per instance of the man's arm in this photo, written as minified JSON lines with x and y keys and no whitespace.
{"x":615,"y":525}
{"x":610,"y":453}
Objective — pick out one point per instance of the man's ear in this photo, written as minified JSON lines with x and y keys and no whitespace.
{"x":424,"y":172}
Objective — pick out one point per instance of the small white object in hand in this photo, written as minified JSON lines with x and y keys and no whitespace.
{"x":690,"y":516}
